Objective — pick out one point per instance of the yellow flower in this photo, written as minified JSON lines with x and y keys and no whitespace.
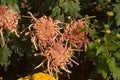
{"x":42,"y":76}
{"x":1,"y":78}
{"x":20,"y":79}
{"x":27,"y":77}
{"x":38,"y":76}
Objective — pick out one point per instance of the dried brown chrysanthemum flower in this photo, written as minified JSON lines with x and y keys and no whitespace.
{"x":45,"y":31}
{"x":74,"y":32}
{"x":8,"y":21}
{"x":8,"y":18}
{"x":53,"y":44}
{"x":58,"y":56}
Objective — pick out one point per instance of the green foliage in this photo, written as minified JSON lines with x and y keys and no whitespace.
{"x":104,"y":34}
{"x":102,"y":67}
{"x":117,"y":11}
{"x":13,"y":4}
{"x":106,"y":46}
{"x":71,"y":8}
{"x":60,"y":9}
{"x":5,"y":54}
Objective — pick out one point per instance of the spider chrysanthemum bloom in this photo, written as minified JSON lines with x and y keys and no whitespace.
{"x":76,"y":33}
{"x":45,"y":30}
{"x":8,"y":21}
{"x":8,"y":18}
{"x":58,"y":56}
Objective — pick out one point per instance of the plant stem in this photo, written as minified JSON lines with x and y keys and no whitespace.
{"x":106,"y":44}
{"x":3,"y":41}
{"x":106,"y":39}
{"x":108,"y":20}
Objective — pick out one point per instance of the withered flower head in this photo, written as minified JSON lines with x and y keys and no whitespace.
{"x":75,"y":33}
{"x":45,"y":30}
{"x":54,"y":43}
{"x":8,"y":21}
{"x":8,"y":18}
{"x":58,"y":56}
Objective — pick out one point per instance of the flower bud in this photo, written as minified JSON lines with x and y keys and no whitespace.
{"x":110,"y":13}
{"x":98,"y":40}
{"x":108,"y":31}
{"x":118,"y":35}
{"x":108,"y":0}
{"x":106,"y":26}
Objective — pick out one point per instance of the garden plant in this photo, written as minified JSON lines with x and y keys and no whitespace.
{"x":59,"y":40}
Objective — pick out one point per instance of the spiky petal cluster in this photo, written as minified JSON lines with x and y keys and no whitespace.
{"x":45,"y":30}
{"x":8,"y":21}
{"x":55,"y":44}
{"x":58,"y":56}
{"x":8,"y":18}
{"x":76,"y":34}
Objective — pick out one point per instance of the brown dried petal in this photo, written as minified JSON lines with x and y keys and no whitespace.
{"x":74,"y":34}
{"x":57,"y":56}
{"x":45,"y":30}
{"x":8,"y":18}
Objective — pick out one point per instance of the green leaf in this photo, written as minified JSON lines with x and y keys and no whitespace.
{"x":76,"y":9}
{"x":103,"y":73}
{"x":102,"y":67}
{"x":111,"y":63}
{"x":60,"y":17}
{"x":75,"y":6}
{"x":117,"y":11}
{"x":73,"y":9}
{"x":61,"y":2}
{"x":15,"y":7}
{"x":100,"y":50}
{"x":77,"y":1}
{"x":117,"y":55}
{"x":90,"y":54}
{"x":91,"y":45}
{"x":112,"y":47}
{"x":3,"y":2}
{"x":93,"y":33}
{"x":56,"y":11}
{"x":11,"y":2}
{"x":65,"y":7}
{"x":5,"y":53}
{"x":116,"y":74}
